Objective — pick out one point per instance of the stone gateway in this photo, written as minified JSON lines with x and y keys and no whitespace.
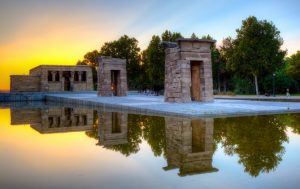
{"x":112,"y":77}
{"x":188,"y":71}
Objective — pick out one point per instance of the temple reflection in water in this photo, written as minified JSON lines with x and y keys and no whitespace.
{"x":55,"y":119}
{"x":112,"y":128}
{"x":190,"y":145}
{"x":187,"y":144}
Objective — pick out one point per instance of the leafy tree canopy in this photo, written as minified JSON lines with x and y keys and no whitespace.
{"x":293,"y":68}
{"x":126,"y":48}
{"x":256,"y":50}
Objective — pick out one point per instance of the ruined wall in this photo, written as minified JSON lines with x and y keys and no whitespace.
{"x":106,"y":65}
{"x":24,"y":83}
{"x":178,"y":70}
{"x":59,"y":85}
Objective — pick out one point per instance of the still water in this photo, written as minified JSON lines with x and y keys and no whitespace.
{"x":51,"y":146}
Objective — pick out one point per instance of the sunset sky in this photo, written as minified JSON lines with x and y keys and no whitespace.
{"x":35,"y":32}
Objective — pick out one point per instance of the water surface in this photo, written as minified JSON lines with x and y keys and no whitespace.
{"x":47,"y":146}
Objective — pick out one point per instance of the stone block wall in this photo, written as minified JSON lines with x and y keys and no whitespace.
{"x":24,"y":83}
{"x":58,"y":85}
{"x":38,"y":79}
{"x":106,"y":65}
{"x":178,"y":70}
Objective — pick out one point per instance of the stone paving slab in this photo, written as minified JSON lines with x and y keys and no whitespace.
{"x":280,"y":98}
{"x":155,"y":105}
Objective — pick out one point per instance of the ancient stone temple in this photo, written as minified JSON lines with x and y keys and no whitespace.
{"x":188,"y":71}
{"x":112,"y":77}
{"x":54,"y":78}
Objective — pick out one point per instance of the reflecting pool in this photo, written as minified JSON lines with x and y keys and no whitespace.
{"x":55,"y":146}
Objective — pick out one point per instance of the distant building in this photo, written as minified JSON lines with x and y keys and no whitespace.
{"x":54,"y":78}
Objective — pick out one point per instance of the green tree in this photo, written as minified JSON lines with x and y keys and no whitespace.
{"x":170,"y":36}
{"x":155,"y":63}
{"x":282,"y":79}
{"x":194,"y":36}
{"x":91,"y":59}
{"x":208,"y":37}
{"x":126,"y":48}
{"x":256,"y":50}
{"x":226,"y":51}
{"x":293,"y":68}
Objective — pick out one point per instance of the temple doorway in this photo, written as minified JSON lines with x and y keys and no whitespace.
{"x":67,"y":80}
{"x":196,"y":80}
{"x":115,"y":79}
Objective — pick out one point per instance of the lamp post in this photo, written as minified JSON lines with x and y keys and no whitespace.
{"x":274,"y":84}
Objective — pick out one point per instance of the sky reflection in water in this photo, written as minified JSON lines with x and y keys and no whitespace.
{"x":62,"y":147}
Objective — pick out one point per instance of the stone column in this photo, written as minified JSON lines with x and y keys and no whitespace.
{"x":72,"y":81}
{"x":80,"y":121}
{"x":62,"y":79}
{"x":80,"y":76}
{"x":53,"y":73}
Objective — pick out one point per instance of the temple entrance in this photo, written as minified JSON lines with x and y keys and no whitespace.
{"x":67,"y":80}
{"x":195,"y":81}
{"x":115,"y":78}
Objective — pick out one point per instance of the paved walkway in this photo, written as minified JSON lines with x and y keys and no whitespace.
{"x":155,"y":105}
{"x":281,"y":98}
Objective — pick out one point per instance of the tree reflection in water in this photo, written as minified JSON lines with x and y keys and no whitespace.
{"x":149,"y":128}
{"x":258,"y":141}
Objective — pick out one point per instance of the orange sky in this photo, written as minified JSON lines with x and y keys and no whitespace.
{"x":56,"y":43}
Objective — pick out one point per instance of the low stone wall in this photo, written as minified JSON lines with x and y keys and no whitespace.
{"x":24,"y":83}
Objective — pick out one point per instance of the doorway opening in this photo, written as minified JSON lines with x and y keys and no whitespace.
{"x":196,"y":80}
{"x":115,"y":78}
{"x":67,"y":80}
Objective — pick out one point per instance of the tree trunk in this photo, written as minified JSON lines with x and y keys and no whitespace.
{"x":256,"y":84}
{"x":219,"y":83}
{"x":225,"y":84}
